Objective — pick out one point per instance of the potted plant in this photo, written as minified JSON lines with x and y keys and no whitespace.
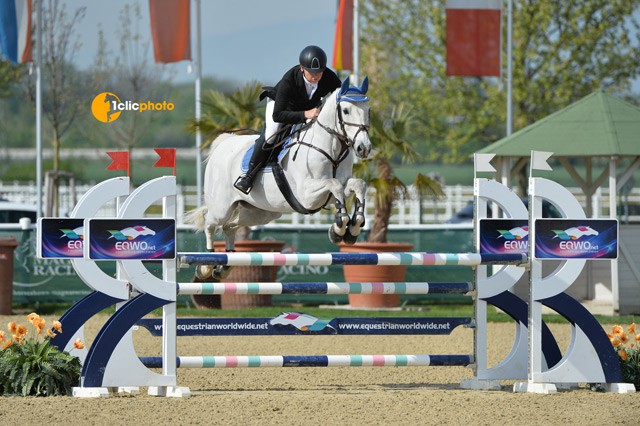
{"x":238,"y":112}
{"x":391,"y":135}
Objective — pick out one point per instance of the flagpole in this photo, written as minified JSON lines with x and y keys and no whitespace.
{"x":506,"y":162}
{"x":356,"y":44}
{"x":38,"y":4}
{"x":198,"y":61}
{"x":509,"y":66}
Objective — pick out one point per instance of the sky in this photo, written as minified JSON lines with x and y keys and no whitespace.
{"x":242,"y":40}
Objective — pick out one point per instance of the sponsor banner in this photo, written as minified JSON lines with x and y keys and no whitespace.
{"x":296,"y":323}
{"x":504,"y":236}
{"x":141,"y":239}
{"x":576,"y":239}
{"x":60,"y":238}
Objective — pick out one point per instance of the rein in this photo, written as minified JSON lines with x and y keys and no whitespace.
{"x":345,"y":144}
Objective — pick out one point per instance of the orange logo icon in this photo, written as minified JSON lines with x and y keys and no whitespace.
{"x":104,"y":107}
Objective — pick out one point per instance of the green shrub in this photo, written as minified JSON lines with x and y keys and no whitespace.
{"x":31,"y":365}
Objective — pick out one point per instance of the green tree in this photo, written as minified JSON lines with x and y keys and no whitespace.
{"x":391,"y":135}
{"x":9,"y":75}
{"x":562,"y":52}
{"x":60,"y":103}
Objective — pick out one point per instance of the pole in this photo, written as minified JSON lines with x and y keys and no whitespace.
{"x":38,"y":4}
{"x":509,"y":67}
{"x":198,"y":63}
{"x":356,"y":44}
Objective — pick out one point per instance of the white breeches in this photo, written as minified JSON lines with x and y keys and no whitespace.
{"x":270,"y":126}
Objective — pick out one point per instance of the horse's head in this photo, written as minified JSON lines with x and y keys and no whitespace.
{"x":352,"y":105}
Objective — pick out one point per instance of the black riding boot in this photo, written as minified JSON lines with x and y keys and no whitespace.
{"x":258,"y":158}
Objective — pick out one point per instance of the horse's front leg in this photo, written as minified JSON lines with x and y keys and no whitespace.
{"x":315,"y":191}
{"x":357,"y":221}
{"x":338,"y":229}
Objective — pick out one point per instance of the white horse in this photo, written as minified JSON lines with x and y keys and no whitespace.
{"x":317,"y":167}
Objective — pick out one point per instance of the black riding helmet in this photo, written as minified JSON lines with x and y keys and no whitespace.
{"x":313,"y":59}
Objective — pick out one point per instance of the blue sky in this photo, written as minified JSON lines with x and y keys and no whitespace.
{"x":242,"y":40}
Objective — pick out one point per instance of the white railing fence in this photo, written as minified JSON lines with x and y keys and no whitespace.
{"x":410,"y":210}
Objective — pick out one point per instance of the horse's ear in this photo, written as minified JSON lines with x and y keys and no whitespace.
{"x":364,"y":86}
{"x":345,"y":87}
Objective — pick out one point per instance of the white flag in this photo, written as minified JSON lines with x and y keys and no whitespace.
{"x":482,"y":162}
{"x":539,"y":160}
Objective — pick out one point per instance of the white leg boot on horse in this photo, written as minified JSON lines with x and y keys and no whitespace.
{"x":357,"y":187}
{"x":338,"y":230}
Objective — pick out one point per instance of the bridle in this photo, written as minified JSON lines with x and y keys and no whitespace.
{"x":343,"y":138}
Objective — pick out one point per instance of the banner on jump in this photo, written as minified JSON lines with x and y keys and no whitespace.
{"x":60,"y":238}
{"x":504,"y":236}
{"x":576,"y":239}
{"x":139,"y":239}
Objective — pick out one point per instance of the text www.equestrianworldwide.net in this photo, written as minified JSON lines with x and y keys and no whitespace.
{"x":394,"y":326}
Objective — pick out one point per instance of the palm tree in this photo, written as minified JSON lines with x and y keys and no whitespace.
{"x":390,"y":137}
{"x":239,"y":112}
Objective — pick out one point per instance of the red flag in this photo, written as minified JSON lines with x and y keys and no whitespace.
{"x":473,"y":37}
{"x":170,"y":29}
{"x":120,"y":160}
{"x":167,"y":158}
{"x":343,"y":41}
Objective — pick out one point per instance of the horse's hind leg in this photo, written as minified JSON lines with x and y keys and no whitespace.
{"x":359,"y":188}
{"x":221,"y":272}
{"x":204,"y":272}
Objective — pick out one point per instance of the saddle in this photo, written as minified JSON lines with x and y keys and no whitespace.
{"x":284,"y":141}
{"x":273,"y":165}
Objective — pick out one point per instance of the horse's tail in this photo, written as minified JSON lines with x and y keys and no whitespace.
{"x":196,"y":217}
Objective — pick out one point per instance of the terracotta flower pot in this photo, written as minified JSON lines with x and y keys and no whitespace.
{"x":370,"y":273}
{"x":244,"y":274}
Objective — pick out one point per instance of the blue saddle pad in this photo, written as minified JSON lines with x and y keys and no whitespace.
{"x":244,"y":167}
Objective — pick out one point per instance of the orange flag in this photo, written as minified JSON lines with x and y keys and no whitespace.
{"x":120,"y":160}
{"x":473,"y":37}
{"x":171,"y":30}
{"x":343,"y":41}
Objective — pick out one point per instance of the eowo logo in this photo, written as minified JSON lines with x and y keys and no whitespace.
{"x":107,"y":107}
{"x":73,"y":234}
{"x":302,"y":322}
{"x":131,"y":233}
{"x":516,"y":233}
{"x":574,"y":232}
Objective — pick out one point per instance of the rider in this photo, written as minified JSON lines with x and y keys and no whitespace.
{"x":293,"y":100}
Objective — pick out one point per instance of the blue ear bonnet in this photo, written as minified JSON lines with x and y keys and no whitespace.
{"x":353,"y":93}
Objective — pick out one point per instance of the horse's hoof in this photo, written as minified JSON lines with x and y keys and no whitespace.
{"x":333,"y":237}
{"x":203,"y":272}
{"x":349,"y":238}
{"x":221,"y":272}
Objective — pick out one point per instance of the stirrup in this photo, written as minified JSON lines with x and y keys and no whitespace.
{"x":244,"y":184}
